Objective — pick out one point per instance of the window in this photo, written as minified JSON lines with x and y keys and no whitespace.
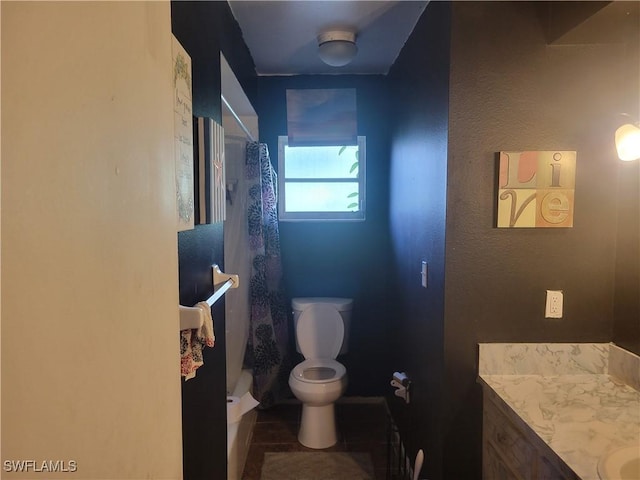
{"x":321,"y":182}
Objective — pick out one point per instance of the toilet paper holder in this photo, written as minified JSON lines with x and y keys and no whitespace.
{"x":402,"y":384}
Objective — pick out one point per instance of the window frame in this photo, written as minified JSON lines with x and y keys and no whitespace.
{"x":314,"y":216}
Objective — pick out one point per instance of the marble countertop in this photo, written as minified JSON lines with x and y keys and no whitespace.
{"x":578,"y":398}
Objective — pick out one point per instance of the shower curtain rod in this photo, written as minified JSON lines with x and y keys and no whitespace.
{"x":237,"y":118}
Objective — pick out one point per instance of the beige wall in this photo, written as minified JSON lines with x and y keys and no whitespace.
{"x":90,"y":360}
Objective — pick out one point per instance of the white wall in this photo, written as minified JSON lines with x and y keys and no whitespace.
{"x":90,"y":351}
{"x":237,"y":257}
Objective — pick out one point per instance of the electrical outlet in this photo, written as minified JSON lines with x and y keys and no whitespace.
{"x":553,"y":306}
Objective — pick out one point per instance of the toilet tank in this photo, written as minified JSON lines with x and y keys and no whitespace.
{"x":342,"y":305}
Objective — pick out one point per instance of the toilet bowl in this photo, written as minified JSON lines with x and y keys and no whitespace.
{"x":319,"y":380}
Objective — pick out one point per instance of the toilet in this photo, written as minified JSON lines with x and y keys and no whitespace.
{"x":322,"y":331}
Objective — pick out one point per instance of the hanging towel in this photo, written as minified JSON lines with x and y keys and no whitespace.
{"x":193,"y":341}
{"x":205,"y":331}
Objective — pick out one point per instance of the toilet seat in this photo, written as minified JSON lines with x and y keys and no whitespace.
{"x":318,"y":370}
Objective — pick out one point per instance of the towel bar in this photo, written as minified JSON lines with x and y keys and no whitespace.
{"x":191,"y":317}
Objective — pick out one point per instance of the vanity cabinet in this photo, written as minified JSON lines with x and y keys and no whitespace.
{"x":510,"y":451}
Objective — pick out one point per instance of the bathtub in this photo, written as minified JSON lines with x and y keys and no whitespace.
{"x":239,"y":434}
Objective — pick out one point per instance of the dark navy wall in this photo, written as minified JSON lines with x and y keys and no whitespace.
{"x":511,"y":90}
{"x":419,"y":83}
{"x":348,"y":259}
{"x":508,"y":89}
{"x":204,"y":29}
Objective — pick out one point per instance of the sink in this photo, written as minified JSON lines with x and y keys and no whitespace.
{"x":621,"y":464}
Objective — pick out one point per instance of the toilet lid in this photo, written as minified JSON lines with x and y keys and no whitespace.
{"x":320,"y":332}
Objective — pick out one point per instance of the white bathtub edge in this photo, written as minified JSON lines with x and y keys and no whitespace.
{"x":239,"y":434}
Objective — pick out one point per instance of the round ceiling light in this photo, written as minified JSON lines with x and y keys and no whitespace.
{"x":337,"y":48}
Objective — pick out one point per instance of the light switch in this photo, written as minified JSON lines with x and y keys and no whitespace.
{"x":423,"y":273}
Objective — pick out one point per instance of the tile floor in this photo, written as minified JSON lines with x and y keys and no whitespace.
{"x":362,"y":427}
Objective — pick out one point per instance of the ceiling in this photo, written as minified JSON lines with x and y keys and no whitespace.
{"x":282,"y":35}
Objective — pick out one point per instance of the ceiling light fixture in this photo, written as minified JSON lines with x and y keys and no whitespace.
{"x":337,"y":48}
{"x":628,"y":142}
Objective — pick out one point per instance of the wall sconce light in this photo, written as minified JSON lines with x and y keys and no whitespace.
{"x":337,"y":48}
{"x":628,"y":142}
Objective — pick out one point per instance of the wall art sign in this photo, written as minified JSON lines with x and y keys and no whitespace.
{"x":183,"y":135}
{"x":536,"y":189}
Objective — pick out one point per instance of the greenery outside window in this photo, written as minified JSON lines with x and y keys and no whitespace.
{"x":323,"y":182}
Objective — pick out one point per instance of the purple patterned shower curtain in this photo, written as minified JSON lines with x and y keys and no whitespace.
{"x":267,"y":351}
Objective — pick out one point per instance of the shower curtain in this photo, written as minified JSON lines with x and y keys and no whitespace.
{"x":267,"y":352}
